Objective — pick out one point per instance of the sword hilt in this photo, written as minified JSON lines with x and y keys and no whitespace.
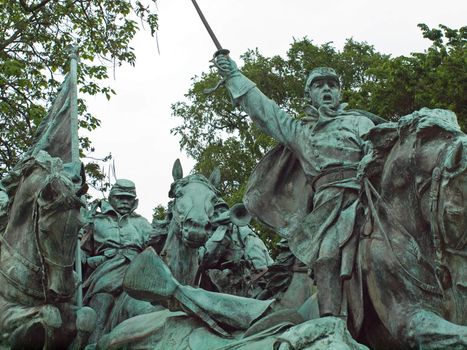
{"x":221,"y":52}
{"x":214,"y":64}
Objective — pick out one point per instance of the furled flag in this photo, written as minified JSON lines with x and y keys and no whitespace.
{"x":58,"y":132}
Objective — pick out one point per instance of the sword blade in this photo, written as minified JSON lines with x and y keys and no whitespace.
{"x":207,"y":26}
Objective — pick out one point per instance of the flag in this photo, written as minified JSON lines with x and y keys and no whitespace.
{"x":58,"y":132}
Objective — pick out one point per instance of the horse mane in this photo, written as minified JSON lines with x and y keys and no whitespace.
{"x":191,"y":178}
{"x":25,"y":166}
{"x":426,"y":123}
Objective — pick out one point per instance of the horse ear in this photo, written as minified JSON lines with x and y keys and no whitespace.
{"x":455,"y":157}
{"x":215,"y":177}
{"x":177,"y":171}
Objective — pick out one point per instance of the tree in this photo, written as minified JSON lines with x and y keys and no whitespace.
{"x":34,"y":36}
{"x":213,"y":132}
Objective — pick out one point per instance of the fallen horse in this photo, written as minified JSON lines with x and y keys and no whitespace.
{"x":211,"y":320}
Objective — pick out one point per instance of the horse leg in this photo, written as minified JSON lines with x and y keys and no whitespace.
{"x":399,"y":305}
{"x":38,"y":332}
{"x":426,"y":330}
{"x":102,"y":303}
{"x":81,"y":323}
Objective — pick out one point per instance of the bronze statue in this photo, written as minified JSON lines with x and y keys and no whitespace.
{"x":412,"y":253}
{"x":328,"y":145}
{"x":206,"y":243}
{"x":113,"y":237}
{"x":37,"y":253}
{"x":40,"y":202}
{"x":410,"y":261}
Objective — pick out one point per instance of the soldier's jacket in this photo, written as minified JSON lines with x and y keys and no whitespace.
{"x":110,"y":242}
{"x":327,"y":142}
{"x":113,"y":233}
{"x":333,"y":140}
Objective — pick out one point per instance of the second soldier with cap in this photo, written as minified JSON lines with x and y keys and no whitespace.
{"x":114,"y":235}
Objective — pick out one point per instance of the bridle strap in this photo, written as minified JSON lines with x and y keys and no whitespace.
{"x":51,"y":262}
{"x":15,"y":283}
{"x":434,"y":222}
{"x":370,"y":191}
{"x":19,"y":257}
{"x":38,"y":247}
{"x":18,"y":285}
{"x":459,"y":252}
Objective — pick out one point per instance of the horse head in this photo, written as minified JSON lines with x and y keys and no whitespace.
{"x":415,"y":263}
{"x":449,"y":219}
{"x":194,"y":205}
{"x":452,"y":211}
{"x":440,"y":172}
{"x":57,"y":224}
{"x":42,"y":231}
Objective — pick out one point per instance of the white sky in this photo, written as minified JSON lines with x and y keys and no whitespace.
{"x":136,"y":122}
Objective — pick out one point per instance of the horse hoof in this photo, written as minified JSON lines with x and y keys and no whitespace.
{"x":86,"y":319}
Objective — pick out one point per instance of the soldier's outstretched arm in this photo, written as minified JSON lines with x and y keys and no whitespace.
{"x":263,"y":111}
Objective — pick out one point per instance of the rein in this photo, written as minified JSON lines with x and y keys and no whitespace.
{"x":432,"y":186}
{"x":64,"y":203}
{"x":370,"y":191}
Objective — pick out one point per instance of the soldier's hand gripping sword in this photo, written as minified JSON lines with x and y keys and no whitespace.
{"x":220,"y":50}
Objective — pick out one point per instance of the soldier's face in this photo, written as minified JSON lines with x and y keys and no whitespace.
{"x":325,"y":92}
{"x":122,"y":204}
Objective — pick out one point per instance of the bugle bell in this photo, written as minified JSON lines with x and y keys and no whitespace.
{"x":239,"y":215}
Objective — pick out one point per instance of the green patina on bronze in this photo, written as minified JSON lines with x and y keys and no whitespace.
{"x":113,"y":237}
{"x":40,"y":201}
{"x":361,"y":205}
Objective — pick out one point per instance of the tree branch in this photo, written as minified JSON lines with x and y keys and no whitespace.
{"x":33,"y":8}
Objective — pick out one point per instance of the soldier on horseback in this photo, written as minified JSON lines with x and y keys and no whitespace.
{"x":114,"y":236}
{"x":328,"y":145}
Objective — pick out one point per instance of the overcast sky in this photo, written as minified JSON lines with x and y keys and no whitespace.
{"x":136,"y":122}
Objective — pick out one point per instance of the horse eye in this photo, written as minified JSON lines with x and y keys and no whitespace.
{"x":48,"y":193}
{"x":44,"y":232}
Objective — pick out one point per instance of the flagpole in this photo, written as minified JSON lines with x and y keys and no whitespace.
{"x":73,"y":93}
{"x":73,"y":86}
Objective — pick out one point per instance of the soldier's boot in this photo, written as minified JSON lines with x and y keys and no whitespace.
{"x":329,"y":285}
{"x":102,"y":303}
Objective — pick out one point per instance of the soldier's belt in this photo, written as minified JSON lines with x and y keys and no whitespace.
{"x":110,"y":253}
{"x":333,"y":175}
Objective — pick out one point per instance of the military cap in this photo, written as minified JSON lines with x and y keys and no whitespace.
{"x":123,"y":187}
{"x":321,"y":73}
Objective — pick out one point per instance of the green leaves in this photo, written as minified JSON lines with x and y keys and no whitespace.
{"x":216,"y":134}
{"x":34,"y":41}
